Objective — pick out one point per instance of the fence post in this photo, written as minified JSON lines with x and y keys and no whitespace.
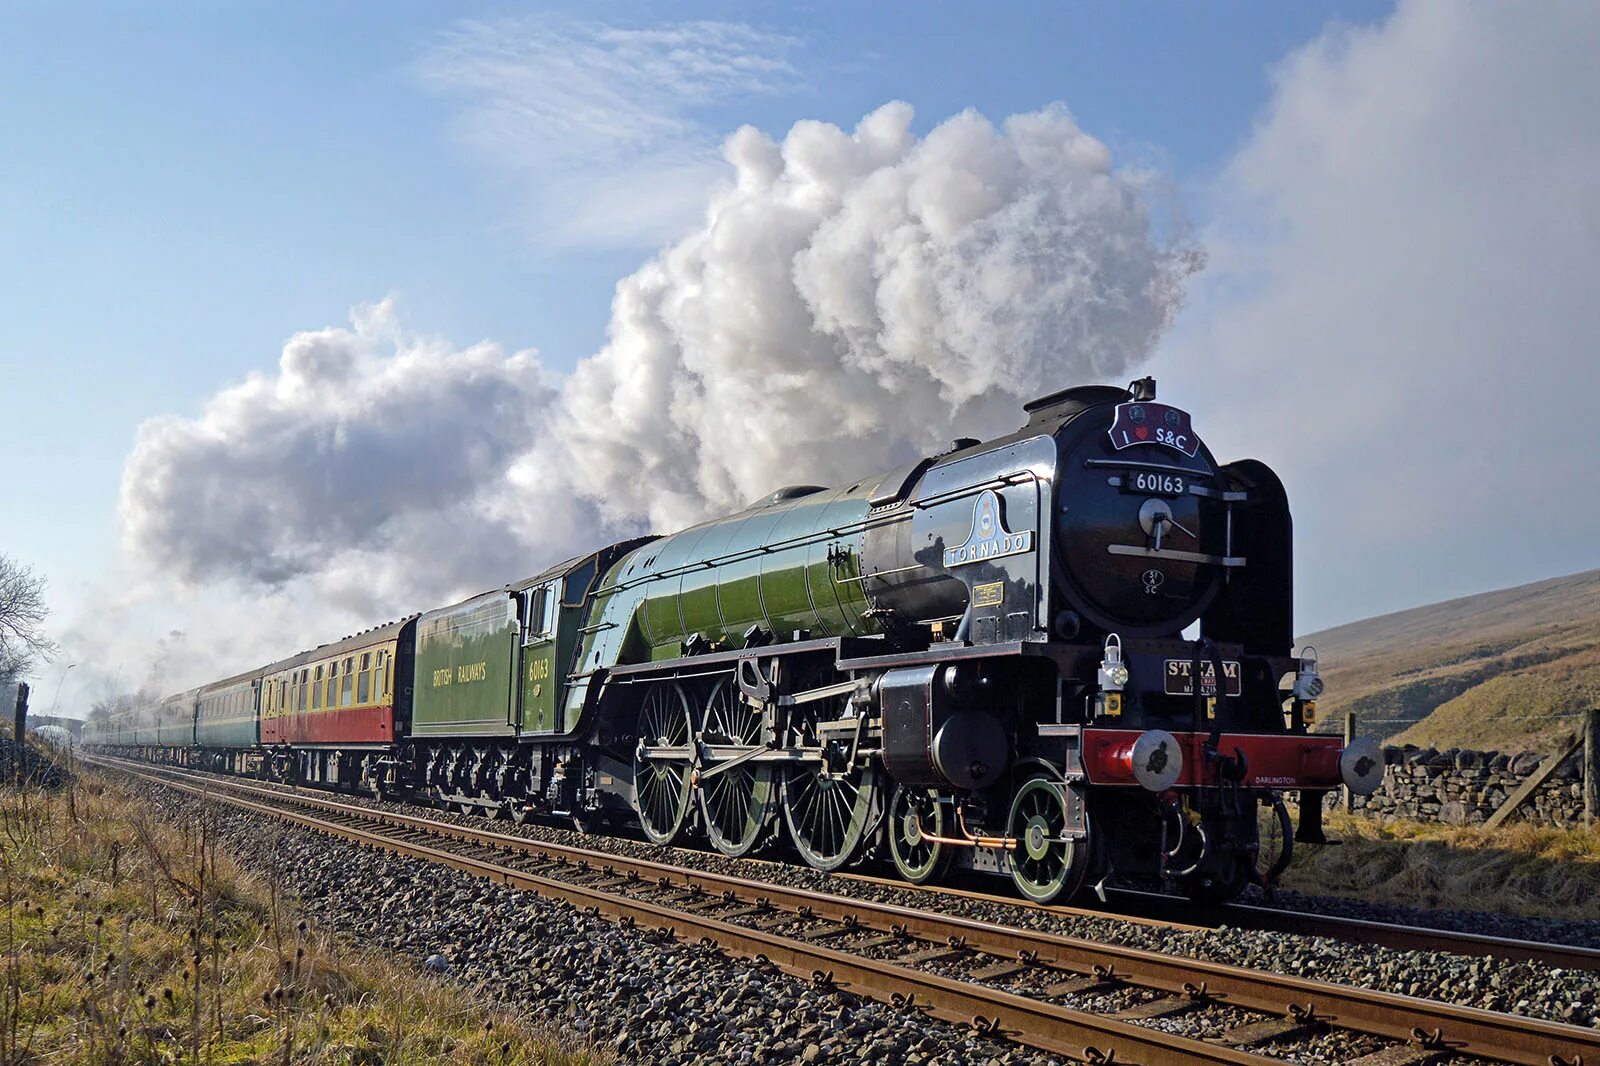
{"x":20,"y":728}
{"x":1349,"y":737}
{"x":1591,"y":766}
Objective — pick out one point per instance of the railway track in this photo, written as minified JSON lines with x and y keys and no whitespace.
{"x":1177,"y":913}
{"x":1093,"y":1002}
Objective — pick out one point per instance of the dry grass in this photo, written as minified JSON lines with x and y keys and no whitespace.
{"x":1517,"y":869}
{"x":127,"y":940}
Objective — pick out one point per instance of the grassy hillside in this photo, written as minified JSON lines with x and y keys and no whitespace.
{"x":1496,"y":670}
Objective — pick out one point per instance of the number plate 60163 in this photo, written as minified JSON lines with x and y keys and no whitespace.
{"x":1154,"y":483}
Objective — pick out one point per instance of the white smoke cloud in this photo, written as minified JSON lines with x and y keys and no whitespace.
{"x":1402,"y":315}
{"x":857,"y":297}
{"x":852,"y":298}
{"x":369,"y":443}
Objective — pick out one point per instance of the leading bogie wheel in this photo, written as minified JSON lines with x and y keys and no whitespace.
{"x":735,"y":802}
{"x":915,"y":816}
{"x":661,"y":778}
{"x":1047,"y":865}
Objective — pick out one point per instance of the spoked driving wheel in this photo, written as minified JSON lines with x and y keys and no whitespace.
{"x":661,"y":763}
{"x":915,"y":816}
{"x":735,"y":798}
{"x":1046,"y":864}
{"x":830,"y":801}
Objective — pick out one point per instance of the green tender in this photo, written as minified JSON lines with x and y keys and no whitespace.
{"x":465,"y":668}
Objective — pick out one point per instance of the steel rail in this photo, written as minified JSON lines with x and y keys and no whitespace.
{"x":1079,"y":1035}
{"x":1470,"y":1030}
{"x":1406,"y":937}
{"x":1150,"y":908}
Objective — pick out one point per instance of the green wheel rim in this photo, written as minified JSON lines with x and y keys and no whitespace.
{"x":661,"y":786}
{"x":1044,"y":867}
{"x":735,"y":803}
{"x":913,"y":814}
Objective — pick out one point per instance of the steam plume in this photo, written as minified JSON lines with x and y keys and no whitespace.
{"x":850,"y":299}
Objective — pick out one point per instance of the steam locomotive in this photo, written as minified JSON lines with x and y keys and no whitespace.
{"x":1061,"y":655}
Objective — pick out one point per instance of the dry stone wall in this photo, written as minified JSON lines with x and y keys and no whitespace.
{"x":1463,"y":787}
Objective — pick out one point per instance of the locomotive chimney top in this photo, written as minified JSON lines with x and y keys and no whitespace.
{"x":1069,"y":403}
{"x":1143,"y":389}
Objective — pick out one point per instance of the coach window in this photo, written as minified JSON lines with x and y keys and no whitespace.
{"x":316,"y":689}
{"x":364,"y":682}
{"x":347,"y":685}
{"x":380,"y":677}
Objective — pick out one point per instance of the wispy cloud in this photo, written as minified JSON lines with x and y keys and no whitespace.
{"x":605,"y":126}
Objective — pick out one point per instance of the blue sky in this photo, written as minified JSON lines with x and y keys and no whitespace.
{"x":184,"y":188}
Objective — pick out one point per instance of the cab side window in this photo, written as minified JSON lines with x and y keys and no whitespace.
{"x":539,"y":612}
{"x":550,"y":605}
{"x":536,"y":601}
{"x":576,"y":587}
